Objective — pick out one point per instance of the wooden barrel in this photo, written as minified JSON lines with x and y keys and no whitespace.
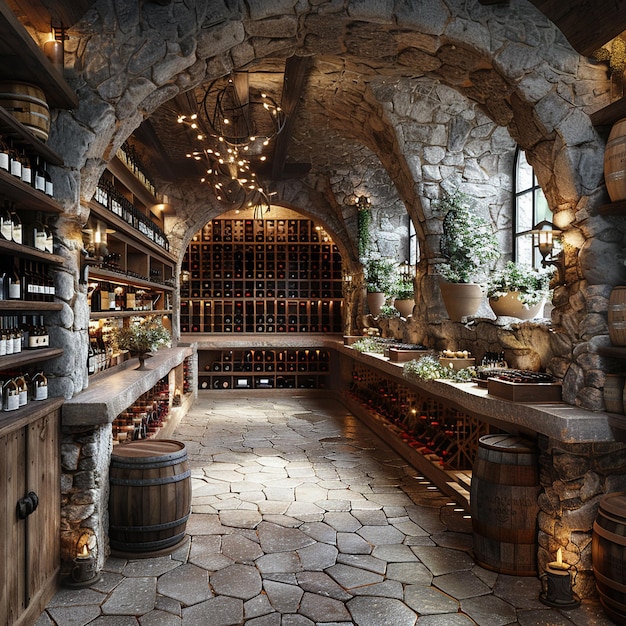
{"x":503,"y":504}
{"x":617,"y":316}
{"x":614,"y":393}
{"x":150,"y":498}
{"x":608,"y":555}
{"x":615,"y":162}
{"x":27,"y":104}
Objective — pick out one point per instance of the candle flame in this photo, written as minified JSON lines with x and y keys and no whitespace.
{"x":85,"y":550}
{"x":559,"y":556}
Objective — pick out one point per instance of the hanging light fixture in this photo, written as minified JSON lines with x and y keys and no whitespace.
{"x":234,"y":123}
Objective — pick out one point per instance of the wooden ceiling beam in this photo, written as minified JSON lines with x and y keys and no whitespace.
{"x":293,"y":86}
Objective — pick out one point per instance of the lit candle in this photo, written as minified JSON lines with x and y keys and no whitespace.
{"x":558,"y":564}
{"x":54,"y":53}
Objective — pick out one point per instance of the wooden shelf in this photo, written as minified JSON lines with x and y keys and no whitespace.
{"x":22,"y":60}
{"x":10,"y":127}
{"x":27,"y":357}
{"x":122,"y":314}
{"x":27,"y":305}
{"x":127,"y":178}
{"x":123,"y":279}
{"x":15,"y":249}
{"x":129,"y":234}
{"x":27,"y":197}
{"x":609,"y":114}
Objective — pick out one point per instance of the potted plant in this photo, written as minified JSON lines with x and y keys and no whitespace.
{"x":403,"y":290}
{"x":141,"y":338}
{"x":468,"y":245}
{"x":519,"y":290}
{"x":379,"y":274}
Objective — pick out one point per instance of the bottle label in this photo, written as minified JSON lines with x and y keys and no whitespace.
{"x":40,"y":240}
{"x":40,"y":182}
{"x":4,"y":161}
{"x":17,"y":345}
{"x":3,"y":346}
{"x":49,"y":188}
{"x":17,"y":233}
{"x":49,"y":243}
{"x":16,"y":168}
{"x":14,"y":290}
{"x":23,"y":397}
{"x":11,"y":401}
{"x":9,"y":346}
{"x":6,"y":229}
{"x":41,"y":392}
{"x":27,"y":175}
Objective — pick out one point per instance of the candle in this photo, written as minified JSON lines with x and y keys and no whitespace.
{"x":54,"y":53}
{"x":558,"y":564}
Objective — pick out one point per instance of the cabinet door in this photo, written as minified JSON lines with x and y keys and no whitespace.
{"x":12,"y":537}
{"x":42,"y":550}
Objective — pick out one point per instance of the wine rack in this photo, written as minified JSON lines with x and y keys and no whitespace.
{"x":261,"y":276}
{"x":440,"y":433}
{"x":264,"y":368}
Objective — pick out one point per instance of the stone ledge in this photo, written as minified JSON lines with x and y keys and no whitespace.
{"x":107,"y":397}
{"x":557,"y":420}
{"x":223,"y":341}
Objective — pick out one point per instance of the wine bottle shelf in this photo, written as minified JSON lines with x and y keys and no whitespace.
{"x":28,"y":305}
{"x":27,"y":357}
{"x":122,"y":314}
{"x":25,"y":196}
{"x":440,"y":433}
{"x":15,"y":249}
{"x":261,"y":276}
{"x":264,"y":369}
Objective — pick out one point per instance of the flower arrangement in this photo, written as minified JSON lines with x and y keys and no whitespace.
{"x":142,"y":337}
{"x":532,"y":283}
{"x":369,"y":344}
{"x":388,"y":312}
{"x":429,"y":368}
{"x":468,"y":243}
{"x":379,"y":274}
{"x":402,"y":287}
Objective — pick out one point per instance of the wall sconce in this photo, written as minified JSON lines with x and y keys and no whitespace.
{"x":53,"y":49}
{"x":544,"y":233}
{"x":362,"y":203}
{"x":558,"y":593}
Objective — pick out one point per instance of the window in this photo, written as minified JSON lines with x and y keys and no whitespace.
{"x":414,"y":251}
{"x":530,"y":208}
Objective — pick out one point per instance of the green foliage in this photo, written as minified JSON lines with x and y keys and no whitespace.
{"x":145,"y":336}
{"x":388,"y":312}
{"x":429,"y":368}
{"x":468,"y":243}
{"x":369,"y":344}
{"x":402,"y":287}
{"x":532,"y":283}
{"x":364,"y":217}
{"x":379,"y":274}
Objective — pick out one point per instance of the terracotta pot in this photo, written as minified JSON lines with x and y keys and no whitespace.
{"x":510,"y":305}
{"x":375,"y":300}
{"x":461,"y":299}
{"x":404,"y":306}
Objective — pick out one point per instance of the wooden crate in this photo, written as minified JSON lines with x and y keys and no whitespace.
{"x":524,"y":392}
{"x":397,"y":355}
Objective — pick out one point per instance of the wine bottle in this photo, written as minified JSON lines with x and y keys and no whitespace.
{"x":39,"y":177}
{"x":95,"y":300}
{"x":3,"y":339}
{"x":49,"y":185}
{"x":4,"y":155}
{"x":15,"y":162}
{"x":6,"y":223}
{"x":22,"y":389}
{"x":38,"y":234}
{"x":15,"y":285}
{"x":39,"y":386}
{"x":16,"y":228}
{"x":27,"y":170}
{"x":10,"y":396}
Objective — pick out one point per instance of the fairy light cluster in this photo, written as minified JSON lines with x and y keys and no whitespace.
{"x":229,"y":130}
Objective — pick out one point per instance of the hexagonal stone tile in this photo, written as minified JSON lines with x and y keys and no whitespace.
{"x":317,"y":557}
{"x":350,"y":577}
{"x":427,"y":600}
{"x":409,"y":573}
{"x":443,"y":560}
{"x":188,"y":584}
{"x":240,"y":519}
{"x":239,"y":581}
{"x":322,"y":584}
{"x":133,"y":596}
{"x":489,"y":610}
{"x":461,"y":585}
{"x":220,"y":611}
{"x":322,"y":609}
{"x":276,"y":538}
{"x":370,"y":611}
{"x":283,"y":598}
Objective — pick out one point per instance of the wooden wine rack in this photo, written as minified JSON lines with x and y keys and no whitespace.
{"x":264,"y":368}
{"x":440,"y":433}
{"x":261,"y":276}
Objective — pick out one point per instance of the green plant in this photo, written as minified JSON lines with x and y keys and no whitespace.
{"x":142,"y":337}
{"x":369,"y":344}
{"x":402,"y":287}
{"x":379,"y":273}
{"x":532,"y":283}
{"x":429,"y":368}
{"x":468,"y":243}
{"x":388,"y":312}
{"x":364,"y":220}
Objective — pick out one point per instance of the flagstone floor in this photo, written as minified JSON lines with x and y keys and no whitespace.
{"x":302,"y":517}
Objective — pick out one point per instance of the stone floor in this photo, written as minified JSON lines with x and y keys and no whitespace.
{"x":300,"y":517}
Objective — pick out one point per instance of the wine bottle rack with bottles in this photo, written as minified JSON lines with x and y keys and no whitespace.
{"x":264,"y":368}
{"x":145,"y":417}
{"x":440,"y":433}
{"x":21,"y":387}
{"x":261,"y":276}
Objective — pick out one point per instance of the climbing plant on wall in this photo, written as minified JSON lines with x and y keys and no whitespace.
{"x":364,"y":216}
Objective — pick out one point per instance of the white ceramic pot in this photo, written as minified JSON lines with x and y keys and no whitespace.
{"x":510,"y":305}
{"x":461,"y":299}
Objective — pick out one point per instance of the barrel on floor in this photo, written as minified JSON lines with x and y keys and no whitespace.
{"x":150,"y":499}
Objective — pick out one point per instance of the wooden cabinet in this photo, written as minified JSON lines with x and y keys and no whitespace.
{"x":29,"y":543}
{"x":261,"y":276}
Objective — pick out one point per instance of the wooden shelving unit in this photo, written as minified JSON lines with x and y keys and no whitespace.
{"x":261,"y":276}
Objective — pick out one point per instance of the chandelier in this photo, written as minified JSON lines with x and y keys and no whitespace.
{"x":234,"y":124}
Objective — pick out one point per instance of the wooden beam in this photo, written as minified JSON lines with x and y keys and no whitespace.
{"x":587,"y":24}
{"x":293,"y":85}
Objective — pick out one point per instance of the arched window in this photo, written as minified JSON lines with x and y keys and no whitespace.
{"x":530,"y":207}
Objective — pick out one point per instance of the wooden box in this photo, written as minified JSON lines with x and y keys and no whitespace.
{"x":524,"y":392}
{"x":398,"y":355}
